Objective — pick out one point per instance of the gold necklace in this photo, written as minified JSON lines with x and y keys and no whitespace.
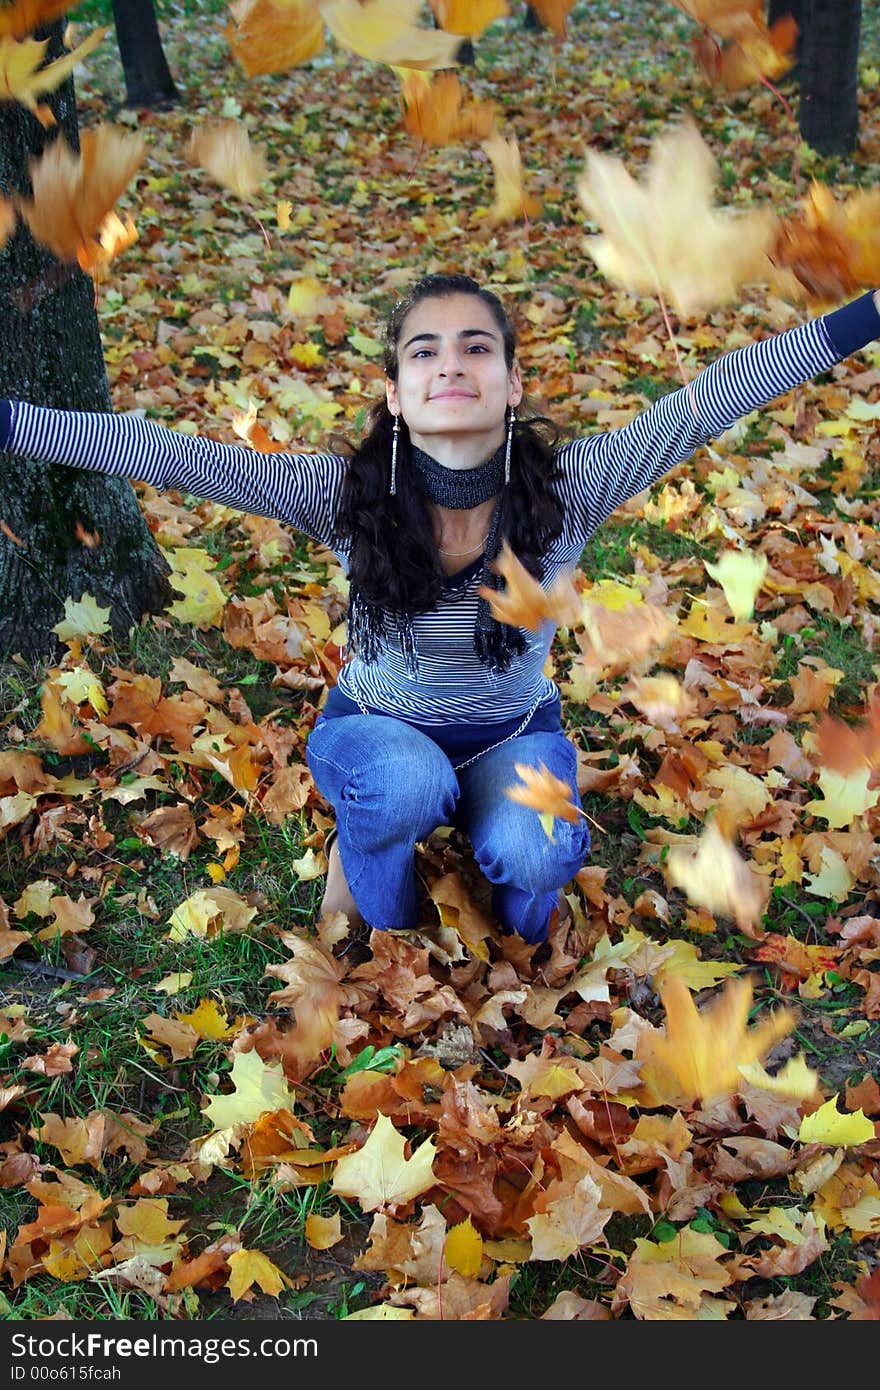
{"x":464,"y":552}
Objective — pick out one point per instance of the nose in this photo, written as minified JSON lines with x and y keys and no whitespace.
{"x":449,"y":360}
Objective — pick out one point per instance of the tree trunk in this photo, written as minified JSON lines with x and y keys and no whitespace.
{"x":829,"y":55}
{"x":148,"y":80}
{"x":70,"y":531}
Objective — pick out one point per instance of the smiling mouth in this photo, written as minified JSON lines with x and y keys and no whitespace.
{"x":453,"y":395}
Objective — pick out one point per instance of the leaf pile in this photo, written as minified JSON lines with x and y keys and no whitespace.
{"x":670,"y":1111}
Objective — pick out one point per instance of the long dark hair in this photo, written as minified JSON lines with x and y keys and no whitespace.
{"x":394,"y":558}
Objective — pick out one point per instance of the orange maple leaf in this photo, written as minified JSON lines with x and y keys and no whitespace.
{"x":753,"y":53}
{"x":468,"y":17}
{"x":271,"y":37}
{"x":553,"y":13}
{"x":74,"y":193}
{"x":831,"y":249}
{"x":543,"y":792}
{"x":524,"y":603}
{"x":434,"y":111}
{"x":24,"y":16}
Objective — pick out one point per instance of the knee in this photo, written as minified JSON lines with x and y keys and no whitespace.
{"x":519,"y":853}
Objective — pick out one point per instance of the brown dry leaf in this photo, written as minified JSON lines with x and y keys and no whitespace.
{"x":524,"y":603}
{"x":224,"y":149}
{"x":172,"y":829}
{"x":69,"y":917}
{"x":831,"y":249}
{"x":72,"y":194}
{"x":387,"y":31}
{"x":568,"y":1216}
{"x":674,"y":1279}
{"x":460,"y":1300}
{"x":698,"y":1054}
{"x":180,"y":1039}
{"x":314,"y":992}
{"x":435,"y":113}
{"x":55,"y":1061}
{"x":714,"y":876}
{"x":10,"y":942}
{"x":665,"y":236}
{"x":512,"y":202}
{"x":544,"y":793}
{"x":77,"y":1140}
{"x":274,"y":35}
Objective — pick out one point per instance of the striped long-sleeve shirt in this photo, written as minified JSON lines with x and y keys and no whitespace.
{"x":464,"y":704}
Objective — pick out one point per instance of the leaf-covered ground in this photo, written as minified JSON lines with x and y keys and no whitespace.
{"x":206,"y":1092}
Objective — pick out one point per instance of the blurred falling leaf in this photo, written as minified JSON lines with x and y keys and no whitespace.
{"x":387,"y":31}
{"x":740,"y":574}
{"x":831,"y":249}
{"x":22,"y":78}
{"x":274,"y":35}
{"x":224,"y":148}
{"x":714,"y":876}
{"x":512,"y":203}
{"x":72,"y":194}
{"x":543,"y":792}
{"x":703,"y":1050}
{"x":664,"y":236}
{"x":523,"y":602}
{"x":435,"y":112}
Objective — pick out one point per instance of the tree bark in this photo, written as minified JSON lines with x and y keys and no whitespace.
{"x":829,"y":53}
{"x":148,"y":80}
{"x":64,"y":532}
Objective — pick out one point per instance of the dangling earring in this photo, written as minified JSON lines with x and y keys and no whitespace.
{"x":510,"y":424}
{"x":394,"y":438}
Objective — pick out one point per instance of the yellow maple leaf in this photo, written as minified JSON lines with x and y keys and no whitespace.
{"x":203,"y":599}
{"x":834,"y":879}
{"x":387,"y":31}
{"x":576,"y":1218}
{"x":664,"y":236}
{"x":844,"y":796}
{"x":205,"y":910}
{"x":21,"y":77}
{"x":828,"y":1126}
{"x":379,"y":1175}
{"x":83,"y":617}
{"x":698,"y":1054}
{"x":249,"y":1267}
{"x":258,"y":1086}
{"x":463,"y":1250}
{"x":80,"y":685}
{"x":740,"y":574}
{"x":209,"y":1020}
{"x":224,"y":148}
{"x":174,"y":983}
{"x":323,"y":1232}
{"x":512,"y":202}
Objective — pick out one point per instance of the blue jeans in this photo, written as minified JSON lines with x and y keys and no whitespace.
{"x":391,"y":786}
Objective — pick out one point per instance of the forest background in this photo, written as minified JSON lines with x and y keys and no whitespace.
{"x":177,"y":1125}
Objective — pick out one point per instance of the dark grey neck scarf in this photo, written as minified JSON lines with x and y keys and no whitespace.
{"x":458,"y":489}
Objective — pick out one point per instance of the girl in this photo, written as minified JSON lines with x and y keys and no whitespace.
{"x":437,"y":701}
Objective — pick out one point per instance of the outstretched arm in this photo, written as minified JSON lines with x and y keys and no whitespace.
{"x":603,"y":470}
{"x":300,"y":489}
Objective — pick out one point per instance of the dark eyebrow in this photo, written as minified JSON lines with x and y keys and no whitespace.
{"x":464,"y":333}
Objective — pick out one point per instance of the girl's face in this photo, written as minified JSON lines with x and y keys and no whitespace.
{"x":453,"y":385}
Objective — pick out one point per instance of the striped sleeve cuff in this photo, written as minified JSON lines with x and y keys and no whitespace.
{"x":5,"y":424}
{"x":853,"y":326}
